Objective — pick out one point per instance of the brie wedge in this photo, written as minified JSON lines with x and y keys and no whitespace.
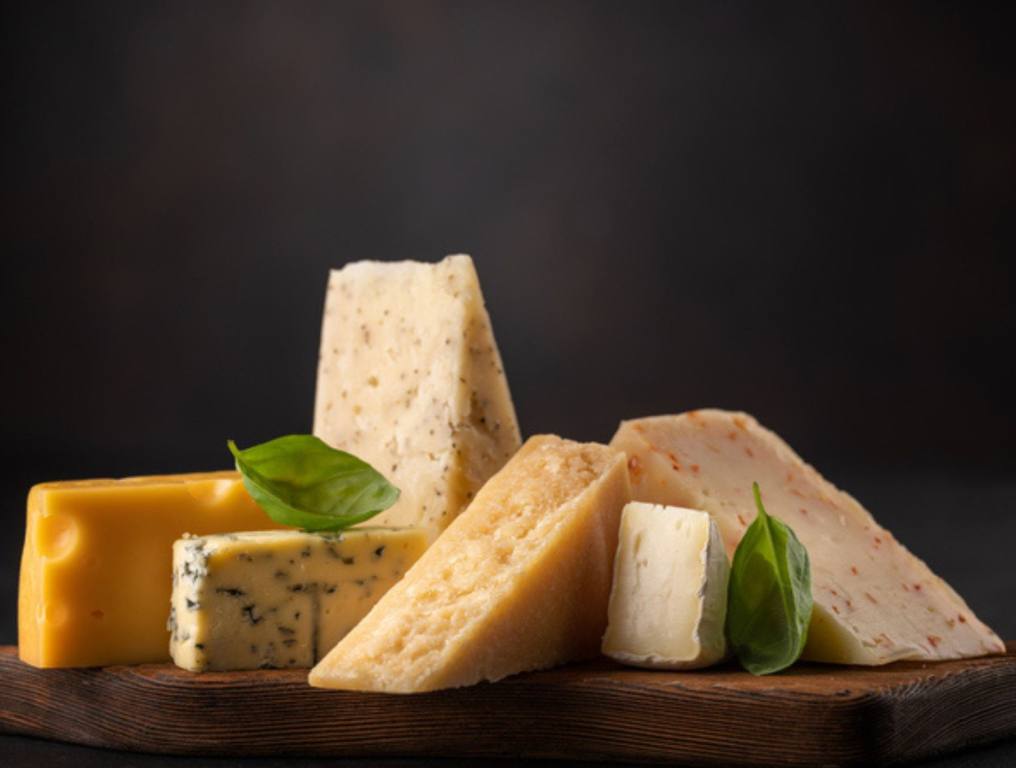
{"x":668,"y":602}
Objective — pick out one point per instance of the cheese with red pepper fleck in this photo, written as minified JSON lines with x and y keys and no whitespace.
{"x":875,"y":602}
{"x":410,"y":380}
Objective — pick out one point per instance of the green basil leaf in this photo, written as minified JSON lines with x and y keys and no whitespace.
{"x":299,"y":480}
{"x":769,"y":599}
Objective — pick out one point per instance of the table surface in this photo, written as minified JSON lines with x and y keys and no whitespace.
{"x":963,"y":526}
{"x":23,"y":751}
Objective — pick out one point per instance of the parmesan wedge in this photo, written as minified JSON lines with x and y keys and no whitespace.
{"x":519,"y":581}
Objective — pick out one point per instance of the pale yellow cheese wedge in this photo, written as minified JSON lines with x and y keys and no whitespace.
{"x":411,"y":381}
{"x":875,"y":602}
{"x":96,"y":572}
{"x":519,"y":581}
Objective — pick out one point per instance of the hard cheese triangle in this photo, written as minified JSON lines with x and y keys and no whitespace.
{"x":410,"y":380}
{"x":519,"y":581}
{"x":875,"y":602}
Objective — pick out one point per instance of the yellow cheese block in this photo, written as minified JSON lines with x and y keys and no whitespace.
{"x":97,"y":564}
{"x":519,"y":581}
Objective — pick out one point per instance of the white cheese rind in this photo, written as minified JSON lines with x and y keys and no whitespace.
{"x":273,"y":599}
{"x":410,"y":380}
{"x":875,"y":602}
{"x":668,"y":603}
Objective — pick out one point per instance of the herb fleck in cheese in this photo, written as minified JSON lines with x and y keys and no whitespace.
{"x":411,"y":381}
{"x":269,"y":599}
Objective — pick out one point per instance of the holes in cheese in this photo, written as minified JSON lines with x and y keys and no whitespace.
{"x":56,"y":536}
{"x":519,"y":581}
{"x":874,"y":601}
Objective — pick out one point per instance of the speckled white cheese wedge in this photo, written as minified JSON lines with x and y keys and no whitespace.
{"x":410,"y":380}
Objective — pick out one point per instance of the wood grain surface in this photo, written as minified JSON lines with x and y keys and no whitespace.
{"x":814,"y":715}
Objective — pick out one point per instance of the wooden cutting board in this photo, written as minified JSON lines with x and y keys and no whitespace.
{"x":814,"y":715}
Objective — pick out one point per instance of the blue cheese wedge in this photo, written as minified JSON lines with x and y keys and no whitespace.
{"x":668,"y":601}
{"x":411,"y":381}
{"x":275,"y":599}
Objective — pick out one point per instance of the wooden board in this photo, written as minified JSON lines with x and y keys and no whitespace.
{"x":813,"y":715}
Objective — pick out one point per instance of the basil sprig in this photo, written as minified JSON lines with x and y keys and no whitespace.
{"x":769,"y":595}
{"x":300,"y":481}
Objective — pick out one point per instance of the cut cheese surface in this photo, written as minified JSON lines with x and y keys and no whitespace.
{"x":519,"y":581}
{"x":668,"y":603}
{"x":97,"y":563}
{"x":410,"y":380}
{"x":272,"y":599}
{"x":875,"y":602}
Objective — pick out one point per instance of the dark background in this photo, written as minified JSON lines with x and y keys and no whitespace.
{"x":805,"y":211}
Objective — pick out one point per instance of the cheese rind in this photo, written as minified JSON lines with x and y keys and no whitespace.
{"x":519,"y":581}
{"x":410,"y":380}
{"x":97,"y":562}
{"x":874,"y":601}
{"x":274,"y":599}
{"x":668,"y":603}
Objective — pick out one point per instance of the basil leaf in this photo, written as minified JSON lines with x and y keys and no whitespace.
{"x":299,"y":480}
{"x":769,"y":597}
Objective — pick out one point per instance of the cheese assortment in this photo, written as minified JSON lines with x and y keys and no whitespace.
{"x":519,"y":581}
{"x":97,"y":563}
{"x":481,"y":559}
{"x":874,"y":601}
{"x":410,"y":380}
{"x":270,"y":599}
{"x":669,"y":599}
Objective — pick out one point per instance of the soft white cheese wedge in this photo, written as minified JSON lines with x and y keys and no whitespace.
{"x":668,"y":602}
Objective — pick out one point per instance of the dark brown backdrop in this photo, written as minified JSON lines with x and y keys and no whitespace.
{"x":802,"y":210}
